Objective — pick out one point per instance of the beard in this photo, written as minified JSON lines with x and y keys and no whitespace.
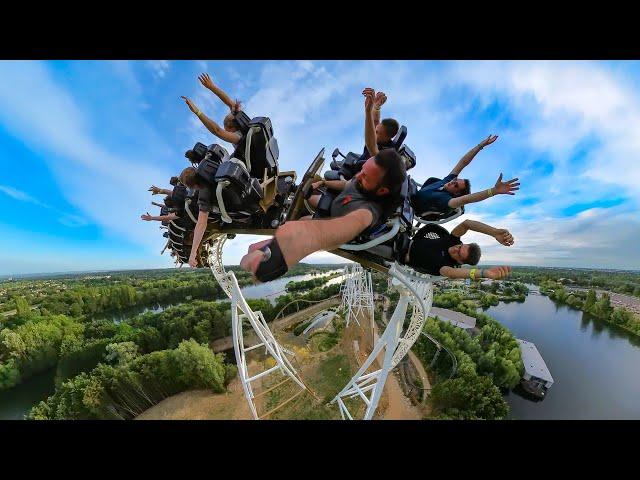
{"x":367,"y":193}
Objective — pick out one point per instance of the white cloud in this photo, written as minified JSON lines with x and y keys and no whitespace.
{"x":108,"y":188}
{"x":66,"y":219}
{"x":159,"y":67}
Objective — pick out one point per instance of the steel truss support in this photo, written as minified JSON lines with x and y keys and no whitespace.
{"x":414,"y":289}
{"x":242,"y":313}
{"x":357,"y":293}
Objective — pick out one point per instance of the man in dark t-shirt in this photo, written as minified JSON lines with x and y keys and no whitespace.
{"x":437,"y":252}
{"x":451,"y":192}
{"x":359,"y":206}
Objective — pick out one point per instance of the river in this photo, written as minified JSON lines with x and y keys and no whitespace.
{"x":16,"y":402}
{"x":595,"y":366}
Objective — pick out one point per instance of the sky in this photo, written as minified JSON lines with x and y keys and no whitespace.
{"x":82,"y":141}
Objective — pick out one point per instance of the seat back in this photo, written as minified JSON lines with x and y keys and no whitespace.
{"x":397,"y":141}
{"x":258,"y":149}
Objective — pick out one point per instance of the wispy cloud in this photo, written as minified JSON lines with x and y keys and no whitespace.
{"x":109,"y":188}
{"x":66,"y":219}
{"x":159,"y":67}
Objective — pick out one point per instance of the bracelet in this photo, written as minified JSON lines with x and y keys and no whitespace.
{"x":198,"y":113}
{"x":490,"y":192}
{"x":472,"y":274}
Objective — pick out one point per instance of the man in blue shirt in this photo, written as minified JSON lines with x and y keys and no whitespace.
{"x":451,"y":192}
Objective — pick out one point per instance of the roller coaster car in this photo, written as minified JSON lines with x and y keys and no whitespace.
{"x":352,"y":163}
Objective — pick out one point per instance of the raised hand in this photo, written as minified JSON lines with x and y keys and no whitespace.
{"x":190,"y":104}
{"x":369,"y":94}
{"x":206,"y":81}
{"x":496,"y":273}
{"x":380,"y":99}
{"x":154,"y":190}
{"x":146,"y":217}
{"x":488,"y":141}
{"x":503,"y":236}
{"x":509,"y":187}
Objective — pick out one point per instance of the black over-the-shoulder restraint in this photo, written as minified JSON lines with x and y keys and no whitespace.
{"x":273,"y":264}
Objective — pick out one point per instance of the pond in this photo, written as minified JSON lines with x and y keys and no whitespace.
{"x":595,"y":366}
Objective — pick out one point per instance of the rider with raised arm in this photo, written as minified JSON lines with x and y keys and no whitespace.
{"x":231,"y":131}
{"x":377,"y":137}
{"x":444,"y":255}
{"x":361,"y":204}
{"x":451,"y":192}
{"x":383,"y":131}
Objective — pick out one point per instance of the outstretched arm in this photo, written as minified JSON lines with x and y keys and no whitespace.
{"x":466,"y":159}
{"x":213,"y":127}
{"x":500,"y":234}
{"x":198,"y":233}
{"x":160,"y":218}
{"x":369,"y":127}
{"x":493,"y":273}
{"x":505,"y":188}
{"x":207,"y":83}
{"x":156,"y":190}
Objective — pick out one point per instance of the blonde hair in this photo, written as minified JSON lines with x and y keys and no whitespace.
{"x":188,"y":177}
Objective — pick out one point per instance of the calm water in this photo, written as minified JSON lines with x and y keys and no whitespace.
{"x":595,"y":367}
{"x":272,"y":290}
{"x":16,"y":402}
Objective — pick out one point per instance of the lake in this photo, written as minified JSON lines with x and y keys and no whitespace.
{"x":595,"y":366}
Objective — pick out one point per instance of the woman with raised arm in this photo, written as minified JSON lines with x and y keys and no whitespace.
{"x":230,"y":130}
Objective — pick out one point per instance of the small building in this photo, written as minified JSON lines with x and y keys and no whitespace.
{"x":455,"y":318}
{"x":536,"y":379}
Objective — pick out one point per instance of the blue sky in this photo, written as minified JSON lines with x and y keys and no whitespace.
{"x":81,"y":141}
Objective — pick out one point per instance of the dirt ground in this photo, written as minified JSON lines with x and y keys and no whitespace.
{"x":324,"y":373}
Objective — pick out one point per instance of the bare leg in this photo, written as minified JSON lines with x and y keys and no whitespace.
{"x":297,"y":239}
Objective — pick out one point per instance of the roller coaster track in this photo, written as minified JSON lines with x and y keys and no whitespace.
{"x":301,"y":300}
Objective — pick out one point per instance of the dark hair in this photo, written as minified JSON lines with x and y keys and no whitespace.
{"x":394,"y":169}
{"x":391,"y":126}
{"x":467,"y":188}
{"x":474,"y":254}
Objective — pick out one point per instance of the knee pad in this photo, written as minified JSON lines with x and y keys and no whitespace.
{"x":273,"y":264}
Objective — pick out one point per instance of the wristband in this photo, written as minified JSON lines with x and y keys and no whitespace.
{"x":198,"y":112}
{"x":472,"y":274}
{"x":490,"y":192}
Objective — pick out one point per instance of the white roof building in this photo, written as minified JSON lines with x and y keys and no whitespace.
{"x":534,"y":366}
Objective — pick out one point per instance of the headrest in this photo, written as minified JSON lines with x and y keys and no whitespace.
{"x":243,"y":121}
{"x":408,"y":156}
{"x":262,"y":122}
{"x":399,"y":138}
{"x":197,"y":153}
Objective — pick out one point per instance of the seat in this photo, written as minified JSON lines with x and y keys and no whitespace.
{"x":352,"y":163}
{"x":392,"y":234}
{"x":258,"y":149}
